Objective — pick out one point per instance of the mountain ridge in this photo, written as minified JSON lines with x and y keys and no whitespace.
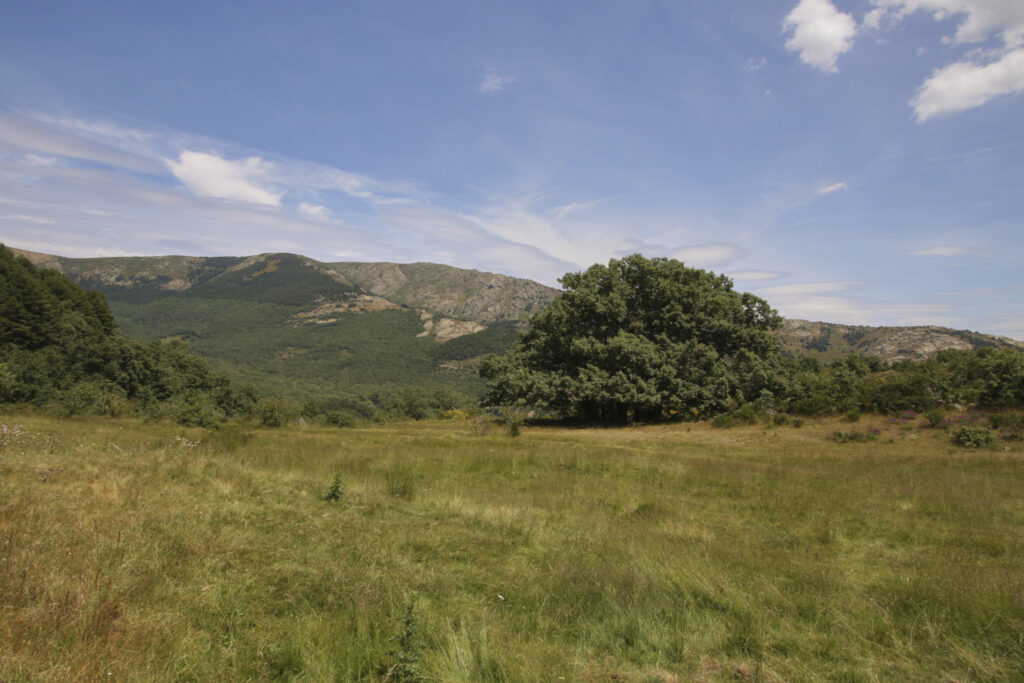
{"x":449,"y":302}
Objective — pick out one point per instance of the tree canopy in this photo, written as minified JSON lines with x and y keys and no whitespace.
{"x":641,"y":340}
{"x":59,"y":346}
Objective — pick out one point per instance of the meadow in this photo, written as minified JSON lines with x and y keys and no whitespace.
{"x":449,"y":551}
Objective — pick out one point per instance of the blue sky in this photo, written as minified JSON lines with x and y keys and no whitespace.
{"x":857,"y":161}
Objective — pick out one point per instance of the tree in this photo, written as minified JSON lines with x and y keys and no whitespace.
{"x":641,"y":340}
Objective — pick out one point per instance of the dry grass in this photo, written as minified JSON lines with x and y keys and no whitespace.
{"x":134,"y":551}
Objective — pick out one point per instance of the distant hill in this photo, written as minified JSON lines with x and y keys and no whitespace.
{"x":828,"y":341}
{"x":312,"y":328}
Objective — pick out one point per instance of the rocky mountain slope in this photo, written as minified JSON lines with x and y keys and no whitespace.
{"x":460,"y":294}
{"x":827,"y":341}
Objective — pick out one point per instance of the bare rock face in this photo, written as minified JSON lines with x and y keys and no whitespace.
{"x":452,"y":292}
{"x":327,"y":311}
{"x":445,"y":329}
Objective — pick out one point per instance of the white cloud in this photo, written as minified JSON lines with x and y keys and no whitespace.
{"x":983,"y":17}
{"x":314,"y":210}
{"x":964,"y":85}
{"x":208,"y":175}
{"x":944,"y":250}
{"x":707,"y":255}
{"x":495,"y":82}
{"x":873,"y":19}
{"x":820,"y":33}
{"x":835,"y":187}
{"x":981,"y":76}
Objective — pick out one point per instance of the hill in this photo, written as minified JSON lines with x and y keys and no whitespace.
{"x":311,"y":328}
{"x":829,"y":341}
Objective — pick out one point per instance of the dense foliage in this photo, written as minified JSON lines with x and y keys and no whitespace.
{"x":987,"y":378}
{"x":641,"y":340}
{"x":59,"y":347}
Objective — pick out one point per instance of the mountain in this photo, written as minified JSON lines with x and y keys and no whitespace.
{"x":312,"y":328}
{"x":828,"y":341}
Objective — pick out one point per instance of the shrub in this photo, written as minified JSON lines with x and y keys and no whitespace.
{"x":780,"y":419}
{"x":935,"y":419}
{"x":973,"y":437}
{"x":273,"y":412}
{"x":723,"y":421}
{"x":335,"y":491}
{"x":853,"y":436}
{"x":1008,"y":422}
{"x":336,"y":418}
{"x":852,"y":415}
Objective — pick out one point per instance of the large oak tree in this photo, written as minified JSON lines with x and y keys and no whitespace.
{"x":641,"y":340}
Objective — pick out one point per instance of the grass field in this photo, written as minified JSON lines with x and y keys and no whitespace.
{"x":135,"y":551}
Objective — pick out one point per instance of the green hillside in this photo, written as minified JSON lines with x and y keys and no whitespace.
{"x":262,"y":320}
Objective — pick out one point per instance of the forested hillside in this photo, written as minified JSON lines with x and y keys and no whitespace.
{"x":60,"y":347}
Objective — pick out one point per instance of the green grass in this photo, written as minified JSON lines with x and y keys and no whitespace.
{"x":135,"y":551}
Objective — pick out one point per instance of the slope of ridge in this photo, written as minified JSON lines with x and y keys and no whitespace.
{"x":828,"y":341}
{"x":455,"y":292}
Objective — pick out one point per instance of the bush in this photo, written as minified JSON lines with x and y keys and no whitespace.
{"x":336,"y":418}
{"x":723,"y":421}
{"x":1013,"y":424}
{"x":273,"y":412}
{"x":973,"y":437}
{"x":854,"y":436}
{"x":935,"y":419}
{"x":852,"y":415}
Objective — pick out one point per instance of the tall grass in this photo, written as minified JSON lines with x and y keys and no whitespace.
{"x":138,"y":551}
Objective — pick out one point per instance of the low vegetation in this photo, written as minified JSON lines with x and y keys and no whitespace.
{"x":439,"y":551}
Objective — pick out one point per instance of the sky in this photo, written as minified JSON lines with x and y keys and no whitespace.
{"x":852,"y":161}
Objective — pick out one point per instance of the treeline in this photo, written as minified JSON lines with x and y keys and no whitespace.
{"x":60,"y":350}
{"x":987,"y":378}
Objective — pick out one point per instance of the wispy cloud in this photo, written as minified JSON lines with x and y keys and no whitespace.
{"x":945,"y":250}
{"x":835,"y":187}
{"x":751,"y":276}
{"x":811,"y":288}
{"x":314,"y":210}
{"x":561,"y":212}
{"x":495,"y":82}
{"x":38,"y":138}
{"x":709,"y":255}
